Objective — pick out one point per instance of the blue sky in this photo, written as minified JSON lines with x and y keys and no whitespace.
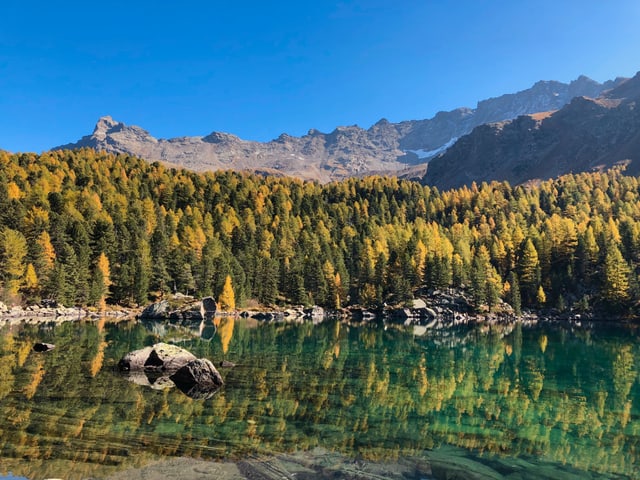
{"x":258,"y":69}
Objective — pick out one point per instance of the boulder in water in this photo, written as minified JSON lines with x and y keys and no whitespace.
{"x":159,"y":357}
{"x":163,"y":366}
{"x":198,"y":379}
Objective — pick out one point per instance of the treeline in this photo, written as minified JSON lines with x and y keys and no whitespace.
{"x":87,"y":228}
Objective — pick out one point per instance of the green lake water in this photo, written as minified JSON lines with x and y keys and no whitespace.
{"x":518,"y":402}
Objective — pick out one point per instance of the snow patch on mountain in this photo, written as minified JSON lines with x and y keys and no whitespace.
{"x":427,"y":154}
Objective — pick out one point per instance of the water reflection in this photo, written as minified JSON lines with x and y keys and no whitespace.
{"x":549,"y":398}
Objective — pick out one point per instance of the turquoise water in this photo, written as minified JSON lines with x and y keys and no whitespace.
{"x":514,"y":401}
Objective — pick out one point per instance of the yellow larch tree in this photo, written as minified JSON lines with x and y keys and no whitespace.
{"x":227,"y":299}
{"x":102,"y":265}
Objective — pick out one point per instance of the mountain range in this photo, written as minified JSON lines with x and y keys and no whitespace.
{"x":586,"y":134}
{"x":403,"y":148}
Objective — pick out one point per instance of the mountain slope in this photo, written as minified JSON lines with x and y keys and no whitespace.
{"x":347,"y":151}
{"x":586,"y":134}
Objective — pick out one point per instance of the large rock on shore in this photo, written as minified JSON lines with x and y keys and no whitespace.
{"x":156,"y":310}
{"x":181,"y":309}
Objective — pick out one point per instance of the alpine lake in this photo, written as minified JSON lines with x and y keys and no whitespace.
{"x":333,"y":399}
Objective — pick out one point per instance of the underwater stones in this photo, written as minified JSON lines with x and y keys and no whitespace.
{"x":453,"y":464}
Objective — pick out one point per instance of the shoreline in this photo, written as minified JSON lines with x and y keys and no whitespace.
{"x":435,"y":307}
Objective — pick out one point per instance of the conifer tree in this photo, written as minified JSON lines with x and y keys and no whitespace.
{"x":227,"y":300}
{"x":529,"y":272}
{"x":513,"y":294}
{"x":615,"y":285}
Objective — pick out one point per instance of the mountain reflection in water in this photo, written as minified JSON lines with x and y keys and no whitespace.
{"x":556,"y":399}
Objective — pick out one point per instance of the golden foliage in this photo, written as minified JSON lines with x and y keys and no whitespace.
{"x":227,"y":300}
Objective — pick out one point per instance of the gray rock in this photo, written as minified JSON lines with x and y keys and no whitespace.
{"x":156,"y":310}
{"x":314,"y":312}
{"x":419,"y":303}
{"x":198,"y":379}
{"x":159,"y":357}
{"x":192,"y":314}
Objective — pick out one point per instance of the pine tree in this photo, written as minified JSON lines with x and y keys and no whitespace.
{"x":513,"y":294}
{"x":529,"y":272}
{"x":615,"y":284}
{"x":479,"y":278}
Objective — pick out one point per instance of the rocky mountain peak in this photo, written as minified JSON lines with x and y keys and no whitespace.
{"x":626,"y":89}
{"x":383,"y":148}
{"x":220,"y":137}
{"x":586,"y":133}
{"x":105,"y":125}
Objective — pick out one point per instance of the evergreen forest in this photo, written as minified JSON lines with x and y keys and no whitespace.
{"x":89,"y":228}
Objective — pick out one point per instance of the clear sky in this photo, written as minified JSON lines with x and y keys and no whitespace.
{"x":258,"y":68}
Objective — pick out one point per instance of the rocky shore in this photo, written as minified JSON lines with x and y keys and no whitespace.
{"x":58,"y":312}
{"x":447,"y":307}
{"x":444,"y":307}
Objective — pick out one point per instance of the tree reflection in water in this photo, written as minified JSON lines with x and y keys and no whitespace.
{"x":550,"y":395}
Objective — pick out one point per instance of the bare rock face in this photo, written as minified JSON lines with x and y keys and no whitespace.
{"x":384,"y":148}
{"x":586,"y":134}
